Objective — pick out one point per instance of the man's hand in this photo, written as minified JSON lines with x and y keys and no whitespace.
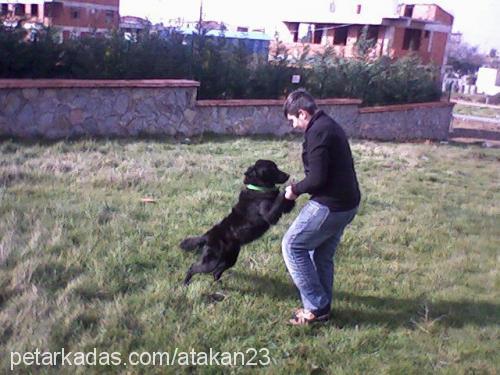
{"x":289,"y":193}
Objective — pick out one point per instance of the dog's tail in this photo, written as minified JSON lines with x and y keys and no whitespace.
{"x":193,"y":243}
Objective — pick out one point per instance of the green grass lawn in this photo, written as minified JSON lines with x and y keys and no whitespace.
{"x":85,"y":264}
{"x":461,"y":109}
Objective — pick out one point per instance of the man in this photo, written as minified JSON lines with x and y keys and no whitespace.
{"x":310,"y":243}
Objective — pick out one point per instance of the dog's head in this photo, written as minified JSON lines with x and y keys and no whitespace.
{"x":265,"y":173}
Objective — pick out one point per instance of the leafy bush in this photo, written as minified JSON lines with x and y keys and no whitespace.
{"x":226,"y":69}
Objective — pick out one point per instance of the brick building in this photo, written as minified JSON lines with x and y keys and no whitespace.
{"x":69,"y":17}
{"x":395,"y":30}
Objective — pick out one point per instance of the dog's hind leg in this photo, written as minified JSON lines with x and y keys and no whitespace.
{"x":207,"y":264}
{"x":192,"y":243}
{"x":226,"y":264}
{"x":200,"y":268}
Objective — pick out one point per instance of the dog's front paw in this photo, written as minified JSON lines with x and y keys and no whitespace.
{"x":288,"y":206}
{"x":186,"y":244}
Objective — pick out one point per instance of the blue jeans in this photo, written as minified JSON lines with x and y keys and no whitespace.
{"x":309,"y":248}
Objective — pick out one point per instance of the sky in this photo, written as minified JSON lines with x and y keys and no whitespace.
{"x":478,"y":20}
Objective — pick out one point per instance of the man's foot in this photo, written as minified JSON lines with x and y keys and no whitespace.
{"x":303,"y":317}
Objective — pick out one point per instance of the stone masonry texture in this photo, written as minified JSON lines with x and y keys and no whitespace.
{"x":59,"y":109}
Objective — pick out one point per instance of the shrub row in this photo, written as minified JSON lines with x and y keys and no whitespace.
{"x":226,"y":70}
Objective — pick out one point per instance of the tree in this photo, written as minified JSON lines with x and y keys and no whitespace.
{"x":465,"y":59}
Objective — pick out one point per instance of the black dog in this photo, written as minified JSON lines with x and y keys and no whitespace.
{"x":259,"y":206}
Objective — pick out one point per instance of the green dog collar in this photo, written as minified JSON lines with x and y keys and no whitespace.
{"x":260,"y":188}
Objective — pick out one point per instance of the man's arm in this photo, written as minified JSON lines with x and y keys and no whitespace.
{"x":318,"y":158}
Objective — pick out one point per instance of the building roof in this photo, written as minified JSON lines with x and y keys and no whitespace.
{"x":433,"y":4}
{"x":340,"y":11}
{"x":345,"y":12}
{"x":134,"y":22}
{"x":415,"y":23}
{"x":253,"y":35}
{"x":218,"y":29}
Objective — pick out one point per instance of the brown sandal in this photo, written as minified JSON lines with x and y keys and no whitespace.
{"x":304,"y":317}
{"x":297,"y":310}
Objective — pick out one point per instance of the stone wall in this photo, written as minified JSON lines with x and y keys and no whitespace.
{"x":475,"y":128}
{"x":55,"y":109}
{"x":405,"y":122}
{"x":386,"y":123}
{"x":245,"y":117}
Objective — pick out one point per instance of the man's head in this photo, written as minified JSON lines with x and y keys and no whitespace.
{"x":299,"y":107}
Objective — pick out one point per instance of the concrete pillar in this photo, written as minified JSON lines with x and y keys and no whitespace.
{"x":388,"y":40}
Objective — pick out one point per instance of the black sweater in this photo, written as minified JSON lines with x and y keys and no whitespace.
{"x":328,"y":165}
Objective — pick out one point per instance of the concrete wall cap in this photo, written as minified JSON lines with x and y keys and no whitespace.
{"x":92,"y":83}
{"x":405,"y":107}
{"x":270,"y":102}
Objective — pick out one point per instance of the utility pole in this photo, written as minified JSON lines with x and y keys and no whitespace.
{"x":198,"y":37}
{"x":200,"y":20}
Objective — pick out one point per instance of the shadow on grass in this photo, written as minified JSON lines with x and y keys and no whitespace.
{"x":379,"y":310}
{"x":258,"y":285}
{"x":394,"y":312}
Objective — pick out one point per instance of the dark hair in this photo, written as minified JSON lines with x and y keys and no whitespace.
{"x":299,"y":99}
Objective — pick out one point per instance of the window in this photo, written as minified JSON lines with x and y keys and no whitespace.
{"x":5,"y":9}
{"x":371,"y":33}
{"x":48,"y":9}
{"x":75,"y":13}
{"x":340,"y":35}
{"x":332,"y":7}
{"x":318,"y":34}
{"x":307,"y":37}
{"x":296,"y":35}
{"x":308,"y":33}
{"x":242,"y":29}
{"x":34,"y":9}
{"x":110,"y":16}
{"x":411,"y":40}
{"x":19,"y":9}
{"x":409,"y":10}
{"x":358,"y":9}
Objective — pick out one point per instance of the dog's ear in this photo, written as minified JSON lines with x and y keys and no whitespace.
{"x":251,"y":172}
